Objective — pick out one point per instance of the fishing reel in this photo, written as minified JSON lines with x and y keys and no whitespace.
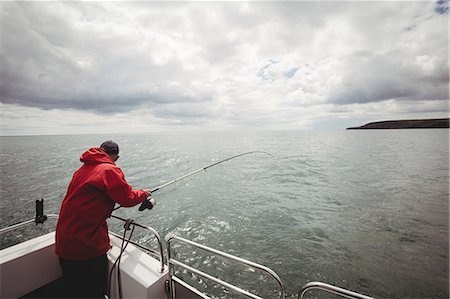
{"x":147,"y":204}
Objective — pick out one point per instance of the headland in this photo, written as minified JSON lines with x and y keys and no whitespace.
{"x":406,"y":124}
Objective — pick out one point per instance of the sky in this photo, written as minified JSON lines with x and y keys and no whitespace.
{"x":143,"y":67}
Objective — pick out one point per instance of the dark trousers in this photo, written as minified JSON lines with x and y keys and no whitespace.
{"x":85,"y":278}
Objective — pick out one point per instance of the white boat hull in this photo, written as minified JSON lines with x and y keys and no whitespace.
{"x":33,"y":264}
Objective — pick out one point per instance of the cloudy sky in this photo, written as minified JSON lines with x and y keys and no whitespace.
{"x":100,"y":67}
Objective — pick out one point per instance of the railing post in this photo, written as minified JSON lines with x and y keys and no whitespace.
{"x":169,"y":264}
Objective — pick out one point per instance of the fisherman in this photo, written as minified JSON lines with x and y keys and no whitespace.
{"x":82,"y":239}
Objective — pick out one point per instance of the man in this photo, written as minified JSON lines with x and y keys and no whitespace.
{"x":82,"y":239}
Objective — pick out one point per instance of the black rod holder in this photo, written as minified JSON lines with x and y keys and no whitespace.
{"x":40,"y":217}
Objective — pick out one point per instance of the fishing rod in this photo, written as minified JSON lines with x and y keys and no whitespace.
{"x":146,"y":204}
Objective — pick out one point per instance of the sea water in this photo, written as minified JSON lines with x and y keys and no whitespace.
{"x":364,"y":210}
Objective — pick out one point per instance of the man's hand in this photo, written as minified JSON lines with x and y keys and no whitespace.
{"x":147,"y":204}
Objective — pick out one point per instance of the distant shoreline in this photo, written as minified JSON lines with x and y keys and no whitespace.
{"x":406,"y":124}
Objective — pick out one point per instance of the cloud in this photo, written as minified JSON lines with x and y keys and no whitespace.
{"x":368,"y":77}
{"x":84,"y":66}
{"x":232,"y":64}
{"x":441,"y":7}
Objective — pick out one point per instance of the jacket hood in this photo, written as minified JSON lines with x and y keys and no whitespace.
{"x":95,"y":155}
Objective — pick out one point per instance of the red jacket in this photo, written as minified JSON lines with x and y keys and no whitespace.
{"x":82,"y":232}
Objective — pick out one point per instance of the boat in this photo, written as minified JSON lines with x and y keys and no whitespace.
{"x":31,"y":268}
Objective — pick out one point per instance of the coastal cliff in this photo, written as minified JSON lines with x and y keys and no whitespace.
{"x":406,"y":124}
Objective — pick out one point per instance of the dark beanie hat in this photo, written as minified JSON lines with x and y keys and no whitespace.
{"x":110,"y":147}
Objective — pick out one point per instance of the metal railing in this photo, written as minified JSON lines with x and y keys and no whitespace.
{"x":173,"y":262}
{"x":158,"y":253}
{"x":330,"y":289}
{"x":25,"y":223}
